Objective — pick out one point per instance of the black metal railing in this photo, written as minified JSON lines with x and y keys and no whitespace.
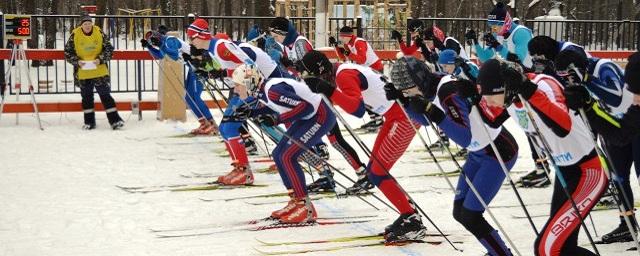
{"x":125,"y":33}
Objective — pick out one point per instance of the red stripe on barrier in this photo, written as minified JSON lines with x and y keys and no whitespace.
{"x":27,"y":107}
{"x":48,"y":54}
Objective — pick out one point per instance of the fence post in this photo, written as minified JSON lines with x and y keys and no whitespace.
{"x":139,"y":67}
{"x":3,"y":83}
{"x":359,"y":26}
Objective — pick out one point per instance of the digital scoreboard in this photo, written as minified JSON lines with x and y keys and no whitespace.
{"x":17,"y":26}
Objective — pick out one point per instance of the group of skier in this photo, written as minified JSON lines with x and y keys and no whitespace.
{"x":560,"y":96}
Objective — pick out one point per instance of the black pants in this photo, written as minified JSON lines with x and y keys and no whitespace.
{"x":621,"y":158}
{"x":103,"y":88}
{"x":586,"y":181}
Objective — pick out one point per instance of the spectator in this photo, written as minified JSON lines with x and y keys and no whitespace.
{"x":89,"y":50}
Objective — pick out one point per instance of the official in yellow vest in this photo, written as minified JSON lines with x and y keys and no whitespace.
{"x":89,"y":51}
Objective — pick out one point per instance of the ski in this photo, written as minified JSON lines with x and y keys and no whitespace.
{"x":338,"y":239}
{"x":264,"y":225}
{"x":190,"y":187}
{"x":349,"y":246}
{"x":278,"y":194}
{"x":515,"y":216}
{"x":434,"y":174}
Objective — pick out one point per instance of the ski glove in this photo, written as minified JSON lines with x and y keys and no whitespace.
{"x":241,"y":113}
{"x":421,"y":106}
{"x":472,"y":37}
{"x":517,"y":83}
{"x":392,"y":92}
{"x":469,"y":91}
{"x":395,"y":35}
{"x":578,"y":97}
{"x":144,"y":43}
{"x":333,"y":41}
{"x":318,"y":85}
{"x":286,"y":62}
{"x":268,"y":120}
{"x":491,"y":40}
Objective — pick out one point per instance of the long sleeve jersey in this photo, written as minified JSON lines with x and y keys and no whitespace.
{"x":359,"y":88}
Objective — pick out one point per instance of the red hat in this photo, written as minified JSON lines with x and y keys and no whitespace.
{"x":199,"y":29}
{"x":220,"y":35}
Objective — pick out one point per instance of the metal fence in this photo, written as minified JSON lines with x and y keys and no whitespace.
{"x":125,"y":33}
{"x":139,"y":75}
{"x":592,"y":34}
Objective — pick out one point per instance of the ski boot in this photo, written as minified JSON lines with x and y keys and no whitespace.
{"x":619,"y":234}
{"x":362,"y":186}
{"x":88,"y":126}
{"x":324,"y":183}
{"x":117,"y":125}
{"x":301,"y":211}
{"x":373,"y":125}
{"x":240,"y":175}
{"x":439,"y":145}
{"x":408,"y":227}
{"x":536,"y":178}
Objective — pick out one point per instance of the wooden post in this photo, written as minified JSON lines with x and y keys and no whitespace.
{"x":171,"y":91}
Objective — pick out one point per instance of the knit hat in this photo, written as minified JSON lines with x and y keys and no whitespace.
{"x":498,"y":13}
{"x":316,"y":63}
{"x":279,"y":25}
{"x":415,"y":25}
{"x":447,"y":56}
{"x":85,"y":17}
{"x":346,"y":31}
{"x":566,"y":58}
{"x":199,"y":29}
{"x":409,"y":72}
{"x":221,"y":35}
{"x":632,"y":73}
{"x":490,"y":78}
{"x":544,"y":45}
{"x":162,"y":29}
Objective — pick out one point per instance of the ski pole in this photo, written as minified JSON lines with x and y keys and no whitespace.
{"x":559,"y":174}
{"x":476,"y":111}
{"x":369,"y":154}
{"x":467,"y":180}
{"x":608,"y":167}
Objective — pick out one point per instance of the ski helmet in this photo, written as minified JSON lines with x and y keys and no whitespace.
{"x":632,"y":73}
{"x":408,"y":72}
{"x":572,"y":64}
{"x":246,"y":75}
{"x":316,"y":63}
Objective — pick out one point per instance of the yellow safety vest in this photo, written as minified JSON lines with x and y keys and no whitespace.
{"x":88,"y":47}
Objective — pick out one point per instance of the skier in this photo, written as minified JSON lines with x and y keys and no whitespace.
{"x":415,"y":28}
{"x":354,"y":87}
{"x":89,"y":51}
{"x":604,"y":79}
{"x":356,"y":49}
{"x":506,"y":39}
{"x":361,"y":52}
{"x":569,"y":145}
{"x":295,"y":46}
{"x":291,"y":101}
{"x":435,"y":38}
{"x":160,"y":45}
{"x":453,"y":64}
{"x":452,"y":113}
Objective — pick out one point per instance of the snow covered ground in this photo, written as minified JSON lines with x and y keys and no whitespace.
{"x":58,"y":195}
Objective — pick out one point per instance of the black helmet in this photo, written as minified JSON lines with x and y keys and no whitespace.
{"x":570,"y":63}
{"x":545,"y":46}
{"x":316,"y":63}
{"x":490,"y":78}
{"x":632,"y":73}
{"x":408,"y":72}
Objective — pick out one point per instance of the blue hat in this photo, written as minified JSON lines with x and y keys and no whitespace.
{"x":447,"y":56}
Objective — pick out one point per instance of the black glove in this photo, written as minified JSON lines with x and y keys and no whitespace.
{"x":433,"y":58}
{"x":466,"y":89}
{"x":144,"y":43}
{"x":201,"y":73}
{"x":472,"y":37}
{"x":242,"y":112}
{"x":267,"y":119}
{"x":318,"y":85}
{"x":195,"y":51}
{"x":391,"y":92}
{"x":577,"y":97}
{"x":155,"y":41}
{"x":333,"y":41}
{"x":420,"y":43}
{"x":517,"y":83}
{"x":218,"y":73}
{"x":286,"y":62}
{"x":395,"y":35}
{"x":513,"y":58}
{"x":421,"y":106}
{"x":491,"y":40}
{"x":186,"y":57}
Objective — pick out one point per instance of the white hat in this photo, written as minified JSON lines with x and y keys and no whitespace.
{"x":246,"y":75}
